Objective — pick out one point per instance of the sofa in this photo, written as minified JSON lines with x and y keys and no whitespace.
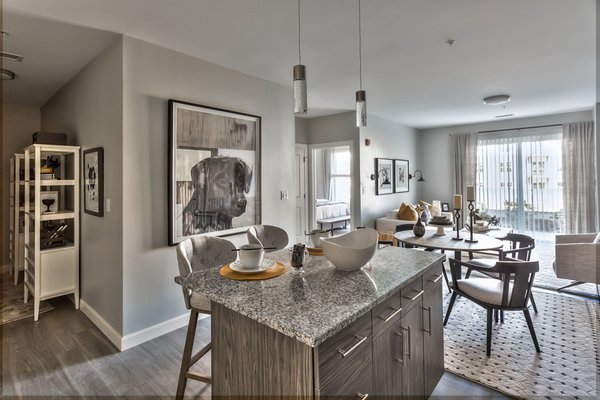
{"x":578,"y":258}
{"x":387,"y":225}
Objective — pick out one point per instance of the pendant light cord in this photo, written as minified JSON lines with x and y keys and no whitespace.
{"x":299,"y":53}
{"x":359,"y":47}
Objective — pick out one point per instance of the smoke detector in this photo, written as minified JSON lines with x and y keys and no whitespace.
{"x":496,"y":100}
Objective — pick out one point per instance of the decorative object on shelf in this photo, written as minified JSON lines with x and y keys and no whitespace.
{"x":445,"y":207}
{"x":299,"y":74}
{"x":419,"y":227}
{"x":361,"y":95}
{"x":48,"y":166}
{"x":471,"y":206}
{"x":384,"y":176}
{"x":93,"y":181}
{"x":457,"y":208}
{"x":49,"y":200}
{"x":436,"y":209}
{"x":414,"y":175}
{"x":401,"y":176}
{"x":49,"y":138}
{"x":52,"y":235}
{"x":214,"y":171}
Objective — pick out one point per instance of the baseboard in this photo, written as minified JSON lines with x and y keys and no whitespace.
{"x":154,"y":331}
{"x":105,"y":327}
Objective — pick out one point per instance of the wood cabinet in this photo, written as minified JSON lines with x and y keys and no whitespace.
{"x":51,"y":209}
{"x":433,"y":335}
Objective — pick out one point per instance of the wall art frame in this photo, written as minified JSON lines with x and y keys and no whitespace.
{"x":384,"y":184}
{"x":93,"y":181}
{"x":401,"y":180}
{"x":214,"y":175}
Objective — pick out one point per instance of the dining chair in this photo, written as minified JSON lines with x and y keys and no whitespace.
{"x":195,"y":254}
{"x":268,"y":236}
{"x":508,"y":293}
{"x":407,"y":227}
{"x":519,"y":249}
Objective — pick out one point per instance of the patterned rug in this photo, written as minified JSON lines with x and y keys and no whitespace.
{"x":12,"y":306}
{"x":567,"y":330}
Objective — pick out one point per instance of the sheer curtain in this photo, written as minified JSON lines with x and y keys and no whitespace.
{"x":323,"y":173}
{"x":579,"y":177}
{"x":465,"y":162}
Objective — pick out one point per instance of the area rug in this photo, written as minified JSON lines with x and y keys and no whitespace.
{"x":567,"y":330}
{"x":12,"y":306}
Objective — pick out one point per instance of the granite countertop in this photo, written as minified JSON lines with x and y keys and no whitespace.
{"x":314,"y":306}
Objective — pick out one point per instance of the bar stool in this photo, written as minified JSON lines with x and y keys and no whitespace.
{"x":195,"y":254}
{"x":268,"y":236}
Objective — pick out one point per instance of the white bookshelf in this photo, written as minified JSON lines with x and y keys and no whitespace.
{"x":51,"y":272}
{"x":16,"y":234}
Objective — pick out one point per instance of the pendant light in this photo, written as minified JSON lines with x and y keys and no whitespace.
{"x":361,"y":95}
{"x":299,"y":73}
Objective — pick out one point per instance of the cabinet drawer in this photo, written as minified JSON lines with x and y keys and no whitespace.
{"x":411,"y":294}
{"x":355,"y":381}
{"x":385,"y":314}
{"x":433,"y":277}
{"x":338,"y":351}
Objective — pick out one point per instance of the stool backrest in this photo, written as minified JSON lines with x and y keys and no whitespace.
{"x":268,"y":236}
{"x":200,"y":252}
{"x":520,"y":246}
{"x":521,"y":273}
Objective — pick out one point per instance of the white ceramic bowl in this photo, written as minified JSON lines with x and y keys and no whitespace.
{"x":350,"y":252}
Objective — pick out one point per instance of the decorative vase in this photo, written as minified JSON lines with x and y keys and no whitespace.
{"x":419,"y":228}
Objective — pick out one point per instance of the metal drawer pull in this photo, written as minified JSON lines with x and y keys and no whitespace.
{"x":408,"y":330}
{"x":391,"y":316}
{"x":351,"y":349}
{"x":428,"y":309}
{"x":416,"y":296}
{"x":362,"y":396}
{"x":436,"y":280}
{"x":401,"y":359}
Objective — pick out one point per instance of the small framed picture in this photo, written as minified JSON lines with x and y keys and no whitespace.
{"x":49,"y":202}
{"x":446,"y":207}
{"x":385,"y":176}
{"x":401,"y":176}
{"x":93,"y":181}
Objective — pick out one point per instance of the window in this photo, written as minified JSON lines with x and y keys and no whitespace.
{"x":340,"y":174}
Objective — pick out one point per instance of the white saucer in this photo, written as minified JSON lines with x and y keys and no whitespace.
{"x":265,"y":265}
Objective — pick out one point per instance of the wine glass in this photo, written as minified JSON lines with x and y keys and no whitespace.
{"x":47,"y":203}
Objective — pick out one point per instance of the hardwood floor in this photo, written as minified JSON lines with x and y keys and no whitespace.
{"x":64,"y":354}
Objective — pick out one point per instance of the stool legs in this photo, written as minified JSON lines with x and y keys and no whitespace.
{"x":187,"y":360}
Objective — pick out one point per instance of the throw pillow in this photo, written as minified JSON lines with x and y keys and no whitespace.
{"x":597,"y":238}
{"x":406,"y":212}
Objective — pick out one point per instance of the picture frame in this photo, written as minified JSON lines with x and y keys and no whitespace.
{"x":445,"y":207}
{"x":214,"y":175}
{"x":93,"y":181}
{"x":49,"y":200}
{"x":384,"y":184}
{"x":401,"y":180}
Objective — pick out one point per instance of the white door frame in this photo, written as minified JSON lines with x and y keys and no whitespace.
{"x":312,"y":203}
{"x":302,"y":187}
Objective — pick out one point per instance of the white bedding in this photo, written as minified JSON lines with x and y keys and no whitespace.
{"x":332,"y":210}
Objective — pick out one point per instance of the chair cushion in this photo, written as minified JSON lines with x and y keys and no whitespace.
{"x":484,"y":289}
{"x":200,"y":302}
{"x":407,"y":212}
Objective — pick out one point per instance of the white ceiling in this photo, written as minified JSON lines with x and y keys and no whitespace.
{"x":542,"y":52}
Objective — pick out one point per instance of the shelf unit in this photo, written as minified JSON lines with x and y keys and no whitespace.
{"x":51,"y":272}
{"x":16,"y":235}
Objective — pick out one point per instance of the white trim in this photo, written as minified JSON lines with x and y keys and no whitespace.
{"x":154,"y":331}
{"x":105,"y":327}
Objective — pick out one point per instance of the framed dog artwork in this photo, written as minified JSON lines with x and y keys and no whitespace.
{"x":214,"y":171}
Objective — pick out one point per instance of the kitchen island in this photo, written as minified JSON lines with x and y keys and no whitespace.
{"x":377,"y":331}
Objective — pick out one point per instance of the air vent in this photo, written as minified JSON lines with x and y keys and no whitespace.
{"x":11,"y":56}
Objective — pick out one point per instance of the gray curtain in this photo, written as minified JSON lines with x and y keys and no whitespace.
{"x":579,"y":177}
{"x":465,"y":162}
{"x":323,"y":174}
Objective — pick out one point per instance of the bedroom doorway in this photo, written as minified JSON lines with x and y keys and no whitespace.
{"x":331,"y":184}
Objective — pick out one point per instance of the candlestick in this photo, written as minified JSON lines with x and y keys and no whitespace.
{"x":470,"y":193}
{"x":471,"y":208}
{"x":456,"y":219}
{"x":457,"y":202}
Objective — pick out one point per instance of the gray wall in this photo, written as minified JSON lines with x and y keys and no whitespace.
{"x":90,"y":109}
{"x":19,"y":122}
{"x":388,"y":140}
{"x":301,"y":130}
{"x":437,"y":153}
{"x":338,"y":128}
{"x":152,"y":75}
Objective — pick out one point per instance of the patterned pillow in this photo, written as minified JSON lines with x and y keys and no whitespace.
{"x":406,"y":212}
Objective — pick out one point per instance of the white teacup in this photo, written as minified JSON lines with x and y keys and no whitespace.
{"x":316,"y":235}
{"x":251,"y":255}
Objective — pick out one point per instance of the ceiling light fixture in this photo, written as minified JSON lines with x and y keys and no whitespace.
{"x":504,"y":115}
{"x":299,"y":73}
{"x":11,"y":57}
{"x":361,"y":95}
{"x":7,"y":74}
{"x":496,"y":100}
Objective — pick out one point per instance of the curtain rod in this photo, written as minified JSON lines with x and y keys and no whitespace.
{"x":518,"y":129}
